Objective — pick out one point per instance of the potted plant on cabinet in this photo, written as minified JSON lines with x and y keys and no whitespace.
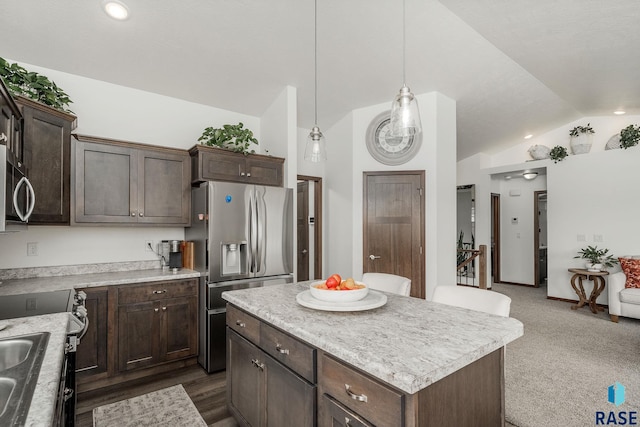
{"x":32,"y":85}
{"x":581,"y":139}
{"x":231,"y":137}
{"x":558,"y":153}
{"x":597,"y":258}
{"x":629,"y":136}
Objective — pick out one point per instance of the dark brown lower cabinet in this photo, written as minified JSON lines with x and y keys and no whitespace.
{"x":156,"y":332}
{"x":340,"y":416}
{"x":263,"y":392}
{"x":91,"y":356}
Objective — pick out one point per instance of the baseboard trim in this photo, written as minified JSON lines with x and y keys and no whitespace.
{"x":518,"y":284}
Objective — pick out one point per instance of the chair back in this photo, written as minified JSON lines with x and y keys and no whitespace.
{"x":388,"y":283}
{"x":473,"y":299}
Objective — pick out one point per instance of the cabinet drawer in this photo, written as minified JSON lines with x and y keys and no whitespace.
{"x":128,"y":294}
{"x":334,"y":414}
{"x":374,"y":401}
{"x":296,"y":355}
{"x":244,"y":324}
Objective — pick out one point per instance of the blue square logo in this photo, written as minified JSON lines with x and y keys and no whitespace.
{"x":616,"y":394}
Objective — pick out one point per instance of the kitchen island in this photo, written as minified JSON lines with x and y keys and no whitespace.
{"x":423,"y":363}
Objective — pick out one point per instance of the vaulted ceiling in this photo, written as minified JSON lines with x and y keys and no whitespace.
{"x":513,"y":67}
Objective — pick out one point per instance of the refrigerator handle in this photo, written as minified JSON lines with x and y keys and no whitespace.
{"x":260,"y":209}
{"x":253,"y":233}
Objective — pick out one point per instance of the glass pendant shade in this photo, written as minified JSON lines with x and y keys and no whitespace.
{"x":315,"y":150}
{"x":405,"y":117}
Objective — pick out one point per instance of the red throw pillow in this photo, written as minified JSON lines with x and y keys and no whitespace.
{"x":631,"y":269}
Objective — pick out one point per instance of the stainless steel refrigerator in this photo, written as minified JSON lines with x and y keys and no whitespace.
{"x":243,"y":238}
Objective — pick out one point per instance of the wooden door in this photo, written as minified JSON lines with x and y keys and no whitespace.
{"x":164,"y":188}
{"x":495,"y":237}
{"x":245,"y":384}
{"x":264,"y":170}
{"x":393,"y":226}
{"x":303,"y":230}
{"x":91,"y":357}
{"x":138,"y":335}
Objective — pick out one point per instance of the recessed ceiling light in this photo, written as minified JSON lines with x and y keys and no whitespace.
{"x":528,"y":136}
{"x":116,"y":9}
{"x":619,"y":112}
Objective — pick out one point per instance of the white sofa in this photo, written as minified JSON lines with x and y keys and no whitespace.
{"x":622,"y":301}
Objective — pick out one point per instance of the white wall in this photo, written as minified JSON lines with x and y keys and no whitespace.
{"x":589,"y":194}
{"x":345,"y":186}
{"x":117,"y":112}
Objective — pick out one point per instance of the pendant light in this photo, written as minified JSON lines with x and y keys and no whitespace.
{"x":405,"y":116}
{"x":315,"y":150}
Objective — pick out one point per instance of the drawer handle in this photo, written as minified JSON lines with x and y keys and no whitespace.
{"x":358,"y":397}
{"x":156,"y":310}
{"x":257,"y":364}
{"x":164,"y":308}
{"x":239,"y":323}
{"x":347,"y":422}
{"x":282,"y":350}
{"x":164,"y":291}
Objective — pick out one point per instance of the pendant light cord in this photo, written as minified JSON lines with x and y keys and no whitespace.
{"x":315,"y":59}
{"x":404,"y":43}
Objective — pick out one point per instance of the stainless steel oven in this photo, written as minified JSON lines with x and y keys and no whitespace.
{"x":34,"y":304}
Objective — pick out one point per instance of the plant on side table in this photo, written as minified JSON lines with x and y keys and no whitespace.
{"x":34,"y":86}
{"x":231,"y":137}
{"x":597,"y":258}
{"x":629,"y":136}
{"x":558,"y":153}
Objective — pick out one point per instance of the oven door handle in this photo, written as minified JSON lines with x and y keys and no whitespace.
{"x":84,"y":329}
{"x":31,"y":197}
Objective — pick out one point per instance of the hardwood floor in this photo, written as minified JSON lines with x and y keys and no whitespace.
{"x":206,"y":391}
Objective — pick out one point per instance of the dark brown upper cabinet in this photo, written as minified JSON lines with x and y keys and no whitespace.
{"x":47,"y":154}
{"x":217,"y":164}
{"x":118,"y":182}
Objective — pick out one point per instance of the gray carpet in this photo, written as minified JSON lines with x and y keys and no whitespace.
{"x":558,"y":373}
{"x":169,"y":407}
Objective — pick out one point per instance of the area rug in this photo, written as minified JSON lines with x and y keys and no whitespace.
{"x":167,"y":407}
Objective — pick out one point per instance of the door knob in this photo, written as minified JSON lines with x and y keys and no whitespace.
{"x":372,"y":257}
{"x":304,"y":251}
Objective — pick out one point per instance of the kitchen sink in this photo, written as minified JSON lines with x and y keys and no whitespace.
{"x":20,"y":362}
{"x":13,"y":352}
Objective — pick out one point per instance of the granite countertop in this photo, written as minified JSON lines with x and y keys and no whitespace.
{"x":41,"y":410}
{"x":408,"y":343}
{"x":79,"y":281}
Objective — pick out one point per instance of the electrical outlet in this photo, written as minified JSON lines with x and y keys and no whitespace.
{"x":32,"y":248}
{"x":148,"y":245}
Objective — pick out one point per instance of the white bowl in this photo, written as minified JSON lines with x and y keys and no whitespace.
{"x":338,"y":296}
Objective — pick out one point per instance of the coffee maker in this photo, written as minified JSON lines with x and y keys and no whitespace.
{"x":175,"y":255}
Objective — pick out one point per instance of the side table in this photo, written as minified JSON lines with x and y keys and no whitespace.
{"x":597,"y":277}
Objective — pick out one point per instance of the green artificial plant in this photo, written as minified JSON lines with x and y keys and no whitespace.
{"x":34,"y":86}
{"x":597,"y":256}
{"x":558,"y":153}
{"x":581,"y":129}
{"x":629,"y":136}
{"x":231,"y":137}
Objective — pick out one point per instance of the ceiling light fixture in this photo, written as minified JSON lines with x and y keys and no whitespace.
{"x":619,"y":112}
{"x":315,"y":150}
{"x":405,"y":116}
{"x":116,"y":9}
{"x":530,"y":175}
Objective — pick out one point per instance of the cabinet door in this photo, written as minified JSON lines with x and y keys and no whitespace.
{"x":47,"y":145}
{"x":180,"y":328}
{"x":91,"y":357}
{"x":164,"y":188}
{"x":333,"y":414}
{"x":221,"y":166}
{"x":245,"y":387}
{"x":138,"y":335}
{"x":106,"y":188}
{"x":263,"y":171}
{"x":290,"y":401}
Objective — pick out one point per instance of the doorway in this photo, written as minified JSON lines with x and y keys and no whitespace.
{"x":540,"y":238}
{"x":393,"y":226}
{"x":309,"y":228}
{"x":495,"y":238}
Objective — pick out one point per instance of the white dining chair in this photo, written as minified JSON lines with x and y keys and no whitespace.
{"x":388,"y":283}
{"x":473,"y":299}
